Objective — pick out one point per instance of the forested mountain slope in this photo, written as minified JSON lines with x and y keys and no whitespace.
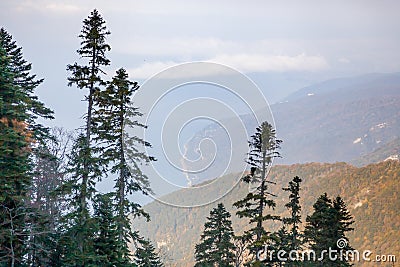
{"x":371,"y":193}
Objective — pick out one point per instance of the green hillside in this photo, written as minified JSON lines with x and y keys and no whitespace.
{"x":371,"y":193}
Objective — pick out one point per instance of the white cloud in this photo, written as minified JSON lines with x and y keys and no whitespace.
{"x":47,"y":6}
{"x":64,"y":8}
{"x":149,"y":69}
{"x":242,"y":62}
{"x":183,"y":47}
{"x":267,"y":63}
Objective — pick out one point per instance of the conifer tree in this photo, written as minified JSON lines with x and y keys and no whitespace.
{"x":93,"y":49}
{"x":216,"y":247}
{"x":122,"y":152}
{"x":344,"y":221}
{"x":19,"y":131}
{"x":263,"y":148}
{"x":27,"y":84}
{"x":325,"y":226}
{"x":318,"y":231}
{"x":86,"y":167}
{"x":107,"y":244}
{"x":294,"y":220}
{"x":146,"y":256}
{"x":78,"y":227}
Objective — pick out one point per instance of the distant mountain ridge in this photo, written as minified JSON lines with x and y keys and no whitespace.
{"x":337,"y":120}
{"x":343,"y":84}
{"x":340,"y":124}
{"x":390,"y":150}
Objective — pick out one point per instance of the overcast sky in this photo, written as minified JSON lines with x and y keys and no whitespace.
{"x":317,"y":38}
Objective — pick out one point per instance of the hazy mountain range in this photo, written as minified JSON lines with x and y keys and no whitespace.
{"x":354,"y":120}
{"x":337,"y":120}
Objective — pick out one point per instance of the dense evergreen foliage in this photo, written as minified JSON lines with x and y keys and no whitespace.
{"x":19,"y":131}
{"x":113,"y":112}
{"x":216,"y":246}
{"x":146,"y":255}
{"x":326,"y":226}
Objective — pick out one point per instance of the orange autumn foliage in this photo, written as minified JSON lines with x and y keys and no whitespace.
{"x":20,"y":127}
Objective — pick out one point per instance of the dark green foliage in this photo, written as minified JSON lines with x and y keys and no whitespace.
{"x":319,"y":226}
{"x":78,"y":228}
{"x":26,"y":83}
{"x":110,"y":250}
{"x":93,"y":49}
{"x":293,"y":239}
{"x":343,"y":217}
{"x":121,"y":151}
{"x":329,"y":222}
{"x":146,"y":256}
{"x":85,"y":167}
{"x":14,"y":166}
{"x":42,"y":238}
{"x":216,"y":246}
{"x":19,"y":109}
{"x":263,"y":148}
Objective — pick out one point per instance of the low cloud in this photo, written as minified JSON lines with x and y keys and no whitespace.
{"x":45,"y":6}
{"x":148,"y":70}
{"x":246,"y":63}
{"x":272,"y":63}
{"x":63,"y":8}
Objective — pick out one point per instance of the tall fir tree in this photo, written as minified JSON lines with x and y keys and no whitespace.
{"x":123,"y":152}
{"x":216,"y":247}
{"x":93,"y":49}
{"x":292,"y":223}
{"x":325,"y":226}
{"x":145,"y":255}
{"x":263,"y":149}
{"x":19,"y":131}
{"x":86,"y":167}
